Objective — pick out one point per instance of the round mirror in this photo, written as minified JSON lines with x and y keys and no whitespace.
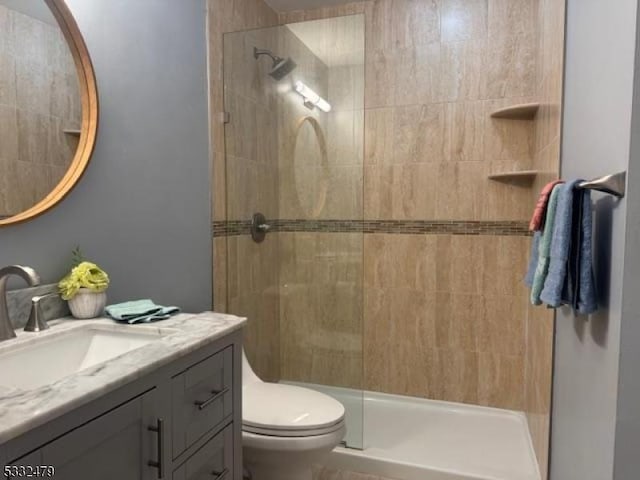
{"x":48,"y":107}
{"x":311,"y":167}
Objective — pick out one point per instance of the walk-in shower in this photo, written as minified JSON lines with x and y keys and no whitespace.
{"x":394,"y":238}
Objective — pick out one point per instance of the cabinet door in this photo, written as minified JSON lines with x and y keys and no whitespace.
{"x":213,"y":461}
{"x":122,"y":444}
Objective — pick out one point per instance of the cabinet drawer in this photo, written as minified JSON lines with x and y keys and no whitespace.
{"x":214,"y":461}
{"x":202,"y":397}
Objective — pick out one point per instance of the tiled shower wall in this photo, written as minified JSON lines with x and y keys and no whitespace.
{"x":539,"y":348}
{"x":445,"y":314}
{"x":321,"y":273}
{"x":39,"y":99}
{"x":249,"y":286}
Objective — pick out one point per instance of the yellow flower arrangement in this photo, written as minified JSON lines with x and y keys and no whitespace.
{"x":84,"y":275}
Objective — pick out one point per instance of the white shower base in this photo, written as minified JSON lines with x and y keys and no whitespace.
{"x":408,"y":438}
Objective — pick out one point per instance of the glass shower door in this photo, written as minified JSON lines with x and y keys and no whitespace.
{"x":294,"y":152}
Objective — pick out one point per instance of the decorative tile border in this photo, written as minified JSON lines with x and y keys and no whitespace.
{"x":416,"y":227}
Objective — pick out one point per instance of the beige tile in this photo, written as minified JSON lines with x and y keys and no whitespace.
{"x":502,"y":323}
{"x":510,"y":67}
{"x":501,"y":380}
{"x":8,"y":133}
{"x":459,"y":324}
{"x":416,"y":73}
{"x":378,"y":136}
{"x":415,"y":22}
{"x":460,"y":190}
{"x":400,"y":191}
{"x":505,"y":264}
{"x":399,"y":335}
{"x":7,"y":77}
{"x":514,"y":17}
{"x":380,"y":79}
{"x":400,"y":261}
{"x":33,"y":134}
{"x":379,"y":31}
{"x":463,"y":71}
{"x":465,"y":131}
{"x":506,"y":139}
{"x":463,"y":20}
{"x":459,"y":264}
{"x":419,"y":134}
{"x":324,"y":12}
{"x":457,"y":374}
{"x":220,"y":274}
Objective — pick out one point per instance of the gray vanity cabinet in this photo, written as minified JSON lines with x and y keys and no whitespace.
{"x":109,"y":447}
{"x":180,"y":422}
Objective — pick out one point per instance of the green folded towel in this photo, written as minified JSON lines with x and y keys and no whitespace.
{"x":140,"y":311}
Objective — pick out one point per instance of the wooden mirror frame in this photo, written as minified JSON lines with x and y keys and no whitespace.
{"x":89,"y":126}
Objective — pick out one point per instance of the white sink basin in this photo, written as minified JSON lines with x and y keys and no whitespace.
{"x":45,"y":360}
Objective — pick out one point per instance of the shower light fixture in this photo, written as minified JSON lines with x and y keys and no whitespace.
{"x":311,"y":98}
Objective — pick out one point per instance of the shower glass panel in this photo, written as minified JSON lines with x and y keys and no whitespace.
{"x":294,"y":138}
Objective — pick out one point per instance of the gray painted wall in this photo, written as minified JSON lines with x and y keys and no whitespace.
{"x":627,"y":460}
{"x":142,"y":210}
{"x":599,"y":80}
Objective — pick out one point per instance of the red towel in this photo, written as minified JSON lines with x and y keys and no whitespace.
{"x":537,"y":220}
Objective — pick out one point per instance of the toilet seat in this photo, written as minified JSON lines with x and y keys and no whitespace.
{"x":279,"y":410}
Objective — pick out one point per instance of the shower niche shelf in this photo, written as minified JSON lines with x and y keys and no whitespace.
{"x":521,"y":111}
{"x":522,"y":176}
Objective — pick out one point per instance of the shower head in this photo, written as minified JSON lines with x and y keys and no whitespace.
{"x":281,"y":66}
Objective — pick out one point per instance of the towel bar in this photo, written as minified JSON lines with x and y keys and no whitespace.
{"x":614,"y":184}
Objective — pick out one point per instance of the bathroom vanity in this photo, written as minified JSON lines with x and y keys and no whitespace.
{"x":159,"y":401}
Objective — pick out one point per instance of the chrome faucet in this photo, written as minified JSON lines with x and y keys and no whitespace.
{"x":31,"y":277}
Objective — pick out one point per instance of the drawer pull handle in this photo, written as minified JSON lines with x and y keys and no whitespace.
{"x":220,"y":475}
{"x":216,"y":395}
{"x":159,"y":429}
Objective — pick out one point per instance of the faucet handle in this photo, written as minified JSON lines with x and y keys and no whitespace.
{"x":37,"y":321}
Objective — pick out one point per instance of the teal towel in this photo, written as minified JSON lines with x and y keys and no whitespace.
{"x":544,"y":249}
{"x":140,"y":311}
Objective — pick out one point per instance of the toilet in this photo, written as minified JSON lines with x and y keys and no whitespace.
{"x":286,"y":429}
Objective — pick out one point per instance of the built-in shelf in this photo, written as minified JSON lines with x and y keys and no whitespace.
{"x":519,"y":176}
{"x":75,"y":133}
{"x":522,"y":111}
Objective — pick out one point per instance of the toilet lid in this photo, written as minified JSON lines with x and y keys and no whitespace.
{"x":274,"y":406}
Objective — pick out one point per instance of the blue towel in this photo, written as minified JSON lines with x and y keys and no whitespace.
{"x":139,"y":311}
{"x":570,"y":276}
{"x":583,"y":297}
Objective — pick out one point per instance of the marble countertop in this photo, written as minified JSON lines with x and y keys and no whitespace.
{"x":23,"y":410}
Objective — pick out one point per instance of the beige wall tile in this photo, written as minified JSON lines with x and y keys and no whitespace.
{"x":379,"y":136}
{"x":510,"y":67}
{"x":400,"y":191}
{"x":463,"y":20}
{"x":419,"y":134}
{"x":513,"y":17}
{"x":501,"y":381}
{"x":460,"y":320}
{"x":459,"y":264}
{"x":400,"y":261}
{"x":460,"y":190}
{"x":465,"y":131}
{"x":399,"y":341}
{"x":463,"y":67}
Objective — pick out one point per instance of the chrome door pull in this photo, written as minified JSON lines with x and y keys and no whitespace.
{"x":202,"y":404}
{"x":159,"y":429}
